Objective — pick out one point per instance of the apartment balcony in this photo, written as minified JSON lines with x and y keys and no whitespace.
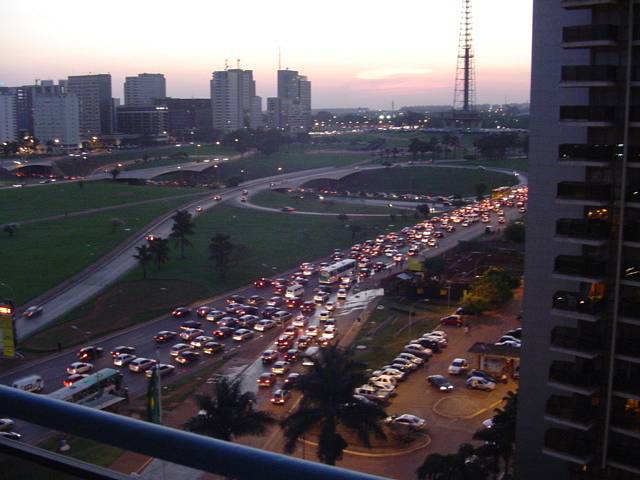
{"x":568,"y":377}
{"x":628,"y":349}
{"x":575,"y":4}
{"x":571,"y":341}
{"x":624,"y":457}
{"x":589,"y":76}
{"x":588,"y":115}
{"x":632,"y":197}
{"x":631,"y":274}
{"x":629,"y":312}
{"x":567,"y":445}
{"x":588,"y":36}
{"x":632,"y":234}
{"x":579,"y":269}
{"x":584,"y":193}
{"x":574,"y":305}
{"x":577,"y":154}
{"x":626,"y":386}
{"x":568,"y":412}
{"x":582,"y":231}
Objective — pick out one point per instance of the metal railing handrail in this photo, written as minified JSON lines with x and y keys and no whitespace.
{"x":175,"y":446}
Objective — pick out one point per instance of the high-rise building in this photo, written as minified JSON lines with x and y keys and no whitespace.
{"x":56,"y":118}
{"x":291,"y":110}
{"x":24,"y":101}
{"x":8,"y":120}
{"x":144,"y":89}
{"x":143,"y":120}
{"x":189,"y":117}
{"x":579,"y":400}
{"x":96,"y":104}
{"x":234,"y":103}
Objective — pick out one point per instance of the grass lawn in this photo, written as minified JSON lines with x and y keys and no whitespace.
{"x":388,"y":329}
{"x":521,"y":164}
{"x":309,"y":203}
{"x":41,"y":255}
{"x":421,"y":180}
{"x":269,"y":243}
{"x":19,"y":204}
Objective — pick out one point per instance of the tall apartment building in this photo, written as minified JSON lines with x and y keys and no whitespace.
{"x":24,"y":100}
{"x":143,"y":120}
{"x":291,"y":110}
{"x":234,"y":103}
{"x":8,"y":119}
{"x":56,"y":115}
{"x":579,"y":410}
{"x":189,"y":117}
{"x":96,"y":105}
{"x":144,"y":89}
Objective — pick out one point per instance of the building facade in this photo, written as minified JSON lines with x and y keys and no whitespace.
{"x":8,"y":119}
{"x":234,"y":103}
{"x":291,"y":110}
{"x":96,"y":105}
{"x":142,"y":120}
{"x":56,"y":118}
{"x":144,"y":89}
{"x":579,"y":400}
{"x":189,"y":117}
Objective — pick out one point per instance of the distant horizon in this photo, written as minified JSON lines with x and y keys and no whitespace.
{"x":368,"y":57}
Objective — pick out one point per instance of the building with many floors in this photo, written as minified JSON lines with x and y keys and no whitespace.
{"x":291,"y":109}
{"x":96,"y":104}
{"x":189,"y":117}
{"x":234,"y":103}
{"x":143,"y":120}
{"x":8,"y":119}
{"x":56,"y":116}
{"x":144,"y":88}
{"x":579,"y":401}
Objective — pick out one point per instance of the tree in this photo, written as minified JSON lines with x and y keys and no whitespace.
{"x":434,"y":266}
{"x":474,"y":303}
{"x":114,"y":172}
{"x":327,"y":402}
{"x":144,"y":256}
{"x":220,"y":251}
{"x":233,"y":181}
{"x":115,"y":224}
{"x":515,"y":232}
{"x":229,"y":413}
{"x":423,"y":209}
{"x":160,"y":250}
{"x":10,"y":229}
{"x":481,"y":190}
{"x":182,"y":227}
{"x":465,"y":464}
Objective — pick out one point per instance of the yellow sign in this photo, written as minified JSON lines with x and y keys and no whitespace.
{"x":415,"y":264}
{"x":7,"y":332}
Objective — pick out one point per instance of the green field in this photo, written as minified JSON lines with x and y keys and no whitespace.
{"x":309,"y":202}
{"x":420,"y":180}
{"x":21,"y":204}
{"x":269,"y":243}
{"x":43,"y":254}
{"x":520,"y":164}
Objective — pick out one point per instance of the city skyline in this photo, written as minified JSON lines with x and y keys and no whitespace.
{"x":358,"y":58}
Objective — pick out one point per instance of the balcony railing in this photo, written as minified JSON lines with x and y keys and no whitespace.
{"x":629,"y":308}
{"x":628,"y":347}
{"x":584,"y":191}
{"x":580,"y":266}
{"x":588,"y":113}
{"x":572,"y":339}
{"x":631,"y":272}
{"x":590,"y":34}
{"x":572,"y":412}
{"x":569,"y":374}
{"x":569,"y":444}
{"x":577,"y":152}
{"x":632,"y":232}
{"x":573,"y":302}
{"x":625,"y":456}
{"x":589,"y":73}
{"x":633,"y":194}
{"x":627,"y":385}
{"x":580,"y":228}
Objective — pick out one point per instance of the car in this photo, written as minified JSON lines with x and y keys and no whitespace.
{"x":371,"y":393}
{"x":181,"y":312}
{"x":308,"y":307}
{"x":262,"y":282}
{"x":231,"y":322}
{"x":330,"y":306}
{"x":32,"y":311}
{"x":79,"y":367}
{"x":267,"y":379}
{"x":458,"y":366}
{"x":411,"y":358}
{"x":248,"y":321}
{"x":223,"y":332}
{"x":394,"y":372}
{"x":292,"y":380}
{"x":269,"y":312}
{"x":418,"y":350}
{"x":480,"y":383}
{"x":247,"y":310}
{"x":215,"y":315}
{"x":122,"y":349}
{"x":329,"y":333}
{"x":190,"y":324}
{"x":407,"y":421}
{"x":508,"y":343}
{"x":255,"y":300}
{"x":440,"y":341}
{"x":281,"y":316}
{"x":242,"y":334}
{"x":437,"y":333}
{"x":188,"y":357}
{"x":123,"y":359}
{"x":482,"y":374}
{"x":299,"y":321}
{"x":164,"y":336}
{"x":11,"y":435}
{"x":509,"y":338}
{"x":89,"y":353}
{"x":515,"y":333}
{"x":280,"y":368}
{"x":235,"y":298}
{"x":321,"y":297}
{"x":203,"y":310}
{"x":280,"y":396}
{"x":212,"y":347}
{"x":439,"y":383}
{"x":292,"y":355}
{"x":190,"y":334}
{"x":454,"y":320}
{"x":287,"y":209}
{"x":141,"y":364}
{"x":264,"y":325}
{"x":293,"y":303}
{"x":342,"y":294}
{"x":269,"y":356}
{"x":428,"y":343}
{"x":275,"y":301}
{"x":312,"y":331}
{"x":163,"y":369}
{"x":200,"y":340}
{"x":199,"y":209}
{"x":325,"y":315}
{"x":6,"y":424}
{"x":303,"y":342}
{"x":217,"y":198}
{"x":179,"y":348}
{"x":71,"y":379}
{"x":385,"y":387}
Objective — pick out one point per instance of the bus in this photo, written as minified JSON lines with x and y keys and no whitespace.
{"x":333,"y":273}
{"x":98,"y":390}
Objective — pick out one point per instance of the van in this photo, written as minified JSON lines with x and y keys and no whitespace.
{"x":294,"y":291}
{"x":32,"y":383}
{"x":309,"y":356}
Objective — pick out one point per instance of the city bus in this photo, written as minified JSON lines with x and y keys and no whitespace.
{"x":98,"y":390}
{"x":334,"y":272}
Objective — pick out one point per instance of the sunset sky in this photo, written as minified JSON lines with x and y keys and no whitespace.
{"x":356,"y":52}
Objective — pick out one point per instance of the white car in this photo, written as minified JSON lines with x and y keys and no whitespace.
{"x":408,"y":421}
{"x":200,"y":340}
{"x":178,"y":348}
{"x":311,"y":331}
{"x":299,"y":321}
{"x":123,"y":359}
{"x":442,"y":342}
{"x":324,"y":316}
{"x":412,"y":358}
{"x":141,"y":364}
{"x":385,"y":387}
{"x":330,"y":332}
{"x":458,"y":365}
{"x":438,"y":333}
{"x":79,"y":367}
{"x":388,"y":370}
{"x":321,"y":297}
{"x":390,"y":379}
{"x":162,"y":369}
{"x":264,"y":325}
{"x":418,"y":350}
{"x":342,"y":294}
{"x":480,"y":383}
{"x":330,"y":306}
{"x":371,"y":393}
{"x":242,"y":334}
{"x":508,"y":343}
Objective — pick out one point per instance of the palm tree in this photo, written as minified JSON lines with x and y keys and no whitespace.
{"x":465,"y":464}
{"x":182,"y":226}
{"x":220,"y":250}
{"x":327,"y":402}
{"x":114,"y":172}
{"x":144,"y":257}
{"x":159,"y":248}
{"x":229,"y":413}
{"x":501,"y":437}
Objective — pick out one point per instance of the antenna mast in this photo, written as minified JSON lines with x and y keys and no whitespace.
{"x":464,"y":96}
{"x":279,"y":59}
